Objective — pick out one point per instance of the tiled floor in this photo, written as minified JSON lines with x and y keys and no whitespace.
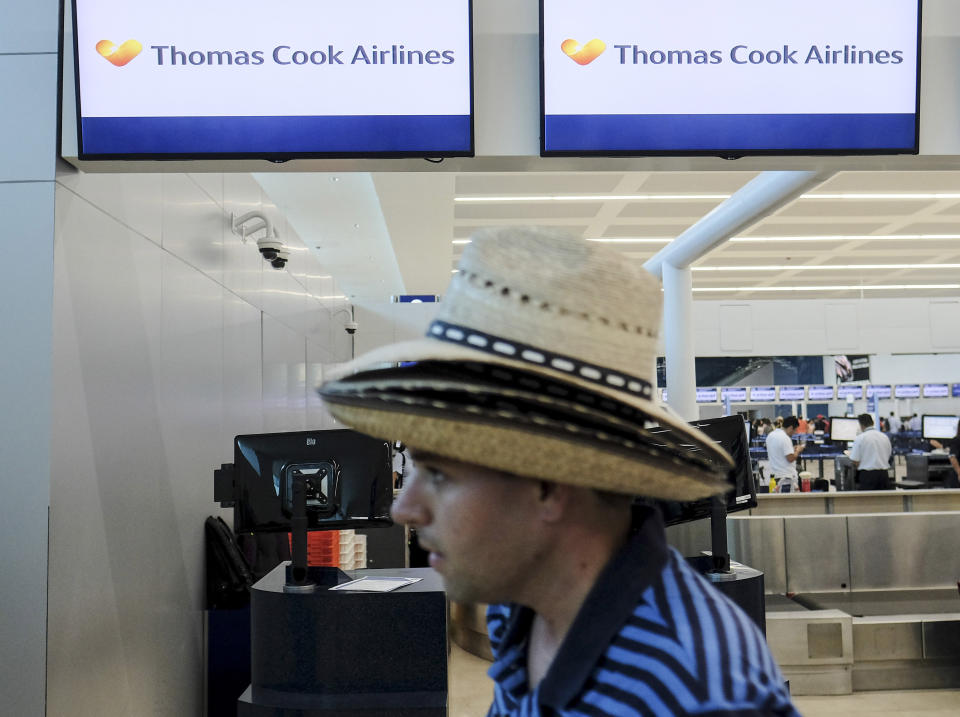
{"x":471,"y":689}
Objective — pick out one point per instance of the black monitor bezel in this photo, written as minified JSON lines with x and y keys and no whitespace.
{"x":280,"y":522}
{"x":700,"y":509}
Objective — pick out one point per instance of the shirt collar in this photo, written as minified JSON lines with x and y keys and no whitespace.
{"x":609,"y":603}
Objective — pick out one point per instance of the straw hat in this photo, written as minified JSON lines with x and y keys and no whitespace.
{"x":540,"y":363}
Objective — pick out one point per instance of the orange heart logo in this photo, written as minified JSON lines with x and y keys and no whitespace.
{"x":119,"y":56}
{"x":583,"y":55}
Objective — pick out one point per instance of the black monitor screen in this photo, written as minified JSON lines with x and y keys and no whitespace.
{"x":731,"y":434}
{"x":348,"y":478}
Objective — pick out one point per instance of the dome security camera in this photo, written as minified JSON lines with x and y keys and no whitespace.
{"x":351,"y":327}
{"x":272,"y":250}
{"x":269,"y":247}
{"x":280,"y":260}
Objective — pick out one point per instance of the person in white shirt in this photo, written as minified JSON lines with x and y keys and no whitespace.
{"x":915,"y":422}
{"x":782,"y":455}
{"x":870,"y":455}
{"x":895,"y":423}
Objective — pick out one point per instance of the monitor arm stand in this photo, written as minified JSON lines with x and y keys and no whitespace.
{"x":718,"y":535}
{"x":297,"y":580}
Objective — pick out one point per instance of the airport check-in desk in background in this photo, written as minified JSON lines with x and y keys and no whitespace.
{"x":861,"y":586}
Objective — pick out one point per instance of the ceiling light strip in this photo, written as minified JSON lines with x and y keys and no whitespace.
{"x":865,"y":287}
{"x":823,"y":267}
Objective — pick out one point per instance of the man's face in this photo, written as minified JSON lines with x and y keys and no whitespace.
{"x":478,"y":524}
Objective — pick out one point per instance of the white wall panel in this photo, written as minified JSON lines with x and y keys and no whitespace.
{"x":945,"y":324}
{"x":842,"y":327}
{"x":112,"y":629}
{"x":242,"y":372}
{"x":211,"y":183}
{"x":284,"y":378}
{"x":736,"y":327}
{"x":190,"y":400}
{"x":784,"y":328}
{"x":192,"y":225}
{"x":26,"y":288}
{"x":28,"y":123}
{"x":134,"y":201}
{"x":33,"y":27}
{"x":157,"y":367}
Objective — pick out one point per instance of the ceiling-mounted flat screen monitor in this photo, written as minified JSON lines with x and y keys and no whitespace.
{"x":906,"y":390}
{"x":936,"y":390}
{"x":843,"y":429}
{"x":792,"y":393}
{"x":820,"y":393}
{"x":734,"y":393}
{"x":848,"y":391}
{"x":942,"y":428}
{"x":956,"y":390}
{"x":875,"y":390}
{"x":707,"y":395}
{"x":646,"y":77}
{"x":767,"y":394}
{"x":296,"y":79}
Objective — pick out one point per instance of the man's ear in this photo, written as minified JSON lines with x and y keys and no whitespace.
{"x":554,"y":501}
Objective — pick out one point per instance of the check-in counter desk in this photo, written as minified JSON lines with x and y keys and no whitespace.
{"x":862,"y":586}
{"x":857,"y":501}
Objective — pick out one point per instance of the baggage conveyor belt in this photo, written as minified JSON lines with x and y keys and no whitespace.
{"x":838,"y":642}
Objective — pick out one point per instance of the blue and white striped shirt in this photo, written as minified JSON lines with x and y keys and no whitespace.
{"x":652,"y":638}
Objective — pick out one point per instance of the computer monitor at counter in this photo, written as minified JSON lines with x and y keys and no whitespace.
{"x":843,"y":429}
{"x":939,"y":427}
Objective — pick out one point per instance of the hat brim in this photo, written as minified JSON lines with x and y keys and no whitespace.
{"x":531,"y":451}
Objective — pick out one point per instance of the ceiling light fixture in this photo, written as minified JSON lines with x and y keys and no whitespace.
{"x":632,"y":240}
{"x":595,"y":198}
{"x":865,"y":287}
{"x":827,"y":267}
{"x":851,"y":237}
{"x":883,"y":195}
{"x":855,"y":196}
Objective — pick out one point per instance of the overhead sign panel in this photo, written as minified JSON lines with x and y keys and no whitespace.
{"x":906,"y":390}
{"x":792,"y":393}
{"x":293,"y":79}
{"x":706,"y":395}
{"x":936,"y":390}
{"x":877,"y":390}
{"x":729,"y":77}
{"x":821,"y":393}
{"x":734,"y":393}
{"x":855,"y":392}
{"x":763,"y":393}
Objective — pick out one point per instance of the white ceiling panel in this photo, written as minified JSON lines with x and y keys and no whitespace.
{"x":527,"y":184}
{"x":852,"y":208}
{"x":687,"y":209}
{"x":527,"y":210}
{"x":699,"y":182}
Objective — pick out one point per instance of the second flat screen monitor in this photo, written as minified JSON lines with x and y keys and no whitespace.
{"x":639,"y":77}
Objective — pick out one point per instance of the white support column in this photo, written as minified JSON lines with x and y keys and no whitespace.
{"x":678,"y":334}
{"x":757,"y":199}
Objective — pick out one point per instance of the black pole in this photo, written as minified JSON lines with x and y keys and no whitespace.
{"x":718,"y":535}
{"x":298,"y":528}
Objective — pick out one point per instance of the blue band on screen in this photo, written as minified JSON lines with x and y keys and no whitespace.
{"x":703,"y":133}
{"x":421,"y":134}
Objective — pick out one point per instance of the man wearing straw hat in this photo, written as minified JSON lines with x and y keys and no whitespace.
{"x":531,"y":418}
